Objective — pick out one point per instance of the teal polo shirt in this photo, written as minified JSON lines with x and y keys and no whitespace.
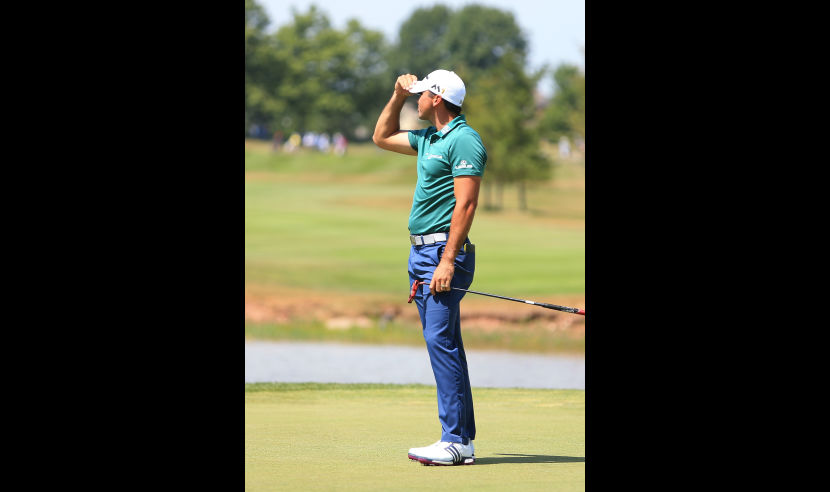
{"x":456,"y":150}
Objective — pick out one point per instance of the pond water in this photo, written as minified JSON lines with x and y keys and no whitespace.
{"x":295,"y":362}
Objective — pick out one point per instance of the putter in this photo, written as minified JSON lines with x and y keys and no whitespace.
{"x":417,"y":283}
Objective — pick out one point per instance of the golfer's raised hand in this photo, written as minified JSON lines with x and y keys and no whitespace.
{"x":442,"y":277}
{"x":403,"y":83}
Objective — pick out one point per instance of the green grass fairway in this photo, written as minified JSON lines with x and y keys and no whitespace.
{"x":326,"y":238}
{"x":355,"y":437}
{"x":328,"y":223}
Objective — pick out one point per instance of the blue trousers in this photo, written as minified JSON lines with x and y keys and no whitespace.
{"x":441,"y":324}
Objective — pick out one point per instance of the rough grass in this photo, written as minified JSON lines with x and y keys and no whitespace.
{"x":532,"y":338}
{"x":355,"y":437}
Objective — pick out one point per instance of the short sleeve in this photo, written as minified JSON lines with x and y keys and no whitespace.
{"x":415,"y":136}
{"x":468,"y":156}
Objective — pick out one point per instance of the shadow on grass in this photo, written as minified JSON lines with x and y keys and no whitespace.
{"x":527,"y":458}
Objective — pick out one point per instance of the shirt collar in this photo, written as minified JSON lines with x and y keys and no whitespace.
{"x":450,"y":126}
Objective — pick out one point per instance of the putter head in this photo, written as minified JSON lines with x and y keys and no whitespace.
{"x":415,"y":286}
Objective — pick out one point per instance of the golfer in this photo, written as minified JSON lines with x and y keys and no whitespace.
{"x":451,"y":161}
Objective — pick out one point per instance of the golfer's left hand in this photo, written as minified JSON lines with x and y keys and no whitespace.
{"x":442,"y":277}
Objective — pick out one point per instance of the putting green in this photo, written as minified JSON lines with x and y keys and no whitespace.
{"x":356,"y":436}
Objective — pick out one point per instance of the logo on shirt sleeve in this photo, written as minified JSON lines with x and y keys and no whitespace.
{"x":464,"y":165}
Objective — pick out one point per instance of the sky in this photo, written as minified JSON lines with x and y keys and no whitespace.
{"x":555,"y":29}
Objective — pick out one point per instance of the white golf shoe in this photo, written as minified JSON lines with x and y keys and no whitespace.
{"x":444,"y":453}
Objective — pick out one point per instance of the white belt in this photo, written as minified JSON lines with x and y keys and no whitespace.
{"x":427,"y":238}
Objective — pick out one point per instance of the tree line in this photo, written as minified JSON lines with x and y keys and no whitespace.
{"x":309,"y":76}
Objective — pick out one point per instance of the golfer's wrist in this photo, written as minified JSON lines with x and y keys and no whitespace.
{"x":447,"y":261}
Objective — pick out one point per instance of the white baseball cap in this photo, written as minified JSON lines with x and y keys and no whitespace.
{"x":444,"y":83}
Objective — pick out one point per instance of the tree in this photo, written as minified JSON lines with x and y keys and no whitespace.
{"x":331,"y":79}
{"x":309,"y":76}
{"x":565,"y":115}
{"x":502,"y":110}
{"x":421,"y":46}
{"x":478,"y":37}
{"x":313,"y":55}
{"x":262,"y":69}
{"x":468,"y":41}
{"x":371,"y":75}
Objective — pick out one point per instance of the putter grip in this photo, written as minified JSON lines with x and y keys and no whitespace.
{"x":560,"y":308}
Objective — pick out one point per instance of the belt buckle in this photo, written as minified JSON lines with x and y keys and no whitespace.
{"x":429,"y":239}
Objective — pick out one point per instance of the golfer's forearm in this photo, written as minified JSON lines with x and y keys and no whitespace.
{"x":462,"y":220}
{"x":389,"y":120}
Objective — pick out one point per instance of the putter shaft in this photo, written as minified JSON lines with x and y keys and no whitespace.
{"x":540,"y":304}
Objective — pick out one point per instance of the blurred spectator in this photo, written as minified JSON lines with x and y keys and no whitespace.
{"x":293,"y":142}
{"x":309,"y":139}
{"x":277,"y":140}
{"x":323,"y":142}
{"x":258,"y":131}
{"x":340,"y":143}
{"x":564,"y":147}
